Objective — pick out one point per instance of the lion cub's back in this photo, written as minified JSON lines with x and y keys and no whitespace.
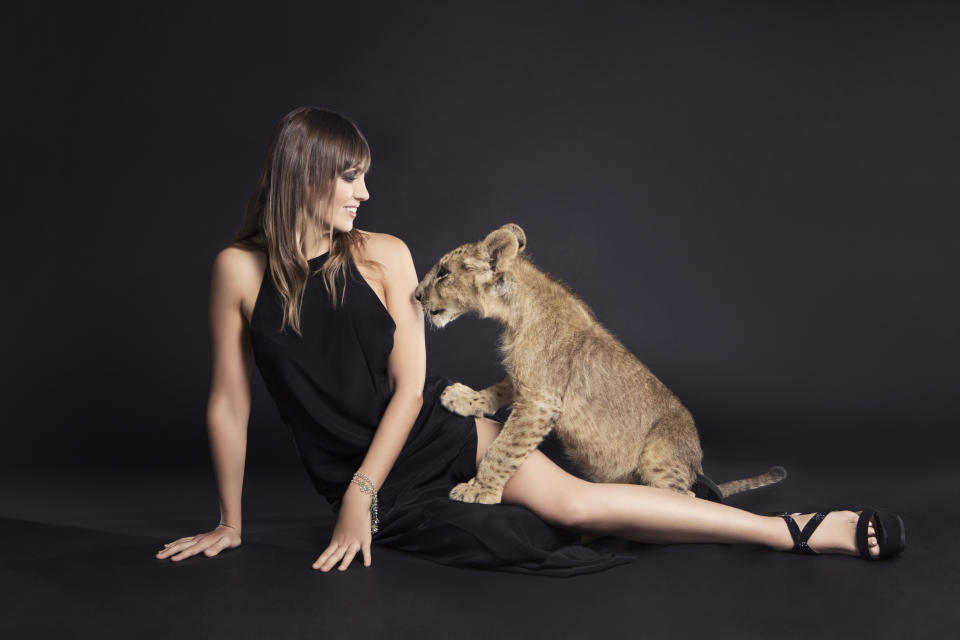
{"x":612,"y":395}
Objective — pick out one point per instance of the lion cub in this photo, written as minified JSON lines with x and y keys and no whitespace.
{"x":566,"y":372}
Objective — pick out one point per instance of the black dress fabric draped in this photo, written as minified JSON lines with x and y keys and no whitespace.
{"x":331,"y":388}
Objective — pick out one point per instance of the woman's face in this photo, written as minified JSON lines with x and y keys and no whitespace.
{"x":349,"y":193}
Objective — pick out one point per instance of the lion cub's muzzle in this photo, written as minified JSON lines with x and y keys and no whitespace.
{"x":437,"y":316}
{"x":418,"y":294}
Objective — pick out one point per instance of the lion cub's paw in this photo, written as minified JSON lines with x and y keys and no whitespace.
{"x":470,"y":492}
{"x":462,"y":400}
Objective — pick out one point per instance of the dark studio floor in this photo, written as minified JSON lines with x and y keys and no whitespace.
{"x":78,"y":561}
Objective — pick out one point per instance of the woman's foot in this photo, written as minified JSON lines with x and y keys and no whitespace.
{"x":835,"y":534}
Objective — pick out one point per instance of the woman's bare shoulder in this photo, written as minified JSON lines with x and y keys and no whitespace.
{"x":396,"y":271}
{"x":237,"y":274}
{"x":236,"y":262}
{"x":385,"y":248}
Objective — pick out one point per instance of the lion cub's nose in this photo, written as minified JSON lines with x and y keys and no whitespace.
{"x":417,"y":294}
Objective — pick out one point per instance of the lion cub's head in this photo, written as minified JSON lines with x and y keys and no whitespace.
{"x":472,"y":277}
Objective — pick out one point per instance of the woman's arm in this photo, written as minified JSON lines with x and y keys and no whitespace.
{"x":407,"y":364}
{"x":406,"y":368}
{"x":228,"y":405}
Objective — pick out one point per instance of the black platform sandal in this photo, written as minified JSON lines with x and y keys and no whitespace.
{"x":707,"y":489}
{"x":891,"y":537}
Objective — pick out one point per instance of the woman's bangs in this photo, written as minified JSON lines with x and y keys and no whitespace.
{"x":354,"y":152}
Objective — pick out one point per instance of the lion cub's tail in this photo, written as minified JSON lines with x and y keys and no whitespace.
{"x":774,"y":475}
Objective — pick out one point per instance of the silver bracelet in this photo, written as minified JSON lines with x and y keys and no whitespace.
{"x":366,"y":486}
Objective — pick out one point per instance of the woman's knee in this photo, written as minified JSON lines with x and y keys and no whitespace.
{"x":569,"y":507}
{"x":555,"y":495}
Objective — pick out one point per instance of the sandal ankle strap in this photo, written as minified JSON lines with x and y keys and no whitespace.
{"x":800,"y":538}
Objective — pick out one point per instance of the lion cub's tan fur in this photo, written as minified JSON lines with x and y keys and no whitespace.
{"x":566,"y":372}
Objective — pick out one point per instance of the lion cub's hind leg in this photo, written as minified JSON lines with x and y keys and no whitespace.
{"x":671,"y":456}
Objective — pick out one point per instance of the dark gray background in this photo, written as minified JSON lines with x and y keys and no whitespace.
{"x":758,"y":198}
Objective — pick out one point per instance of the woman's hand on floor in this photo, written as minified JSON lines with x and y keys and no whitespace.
{"x":210,"y":543}
{"x":351,"y":533}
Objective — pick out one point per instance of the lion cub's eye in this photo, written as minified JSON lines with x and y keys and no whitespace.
{"x":442,"y":272}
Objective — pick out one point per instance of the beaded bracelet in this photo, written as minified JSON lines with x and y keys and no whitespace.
{"x":366,"y":486}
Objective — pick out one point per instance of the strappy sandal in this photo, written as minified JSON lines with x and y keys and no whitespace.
{"x":891,"y":537}
{"x":707,"y":489}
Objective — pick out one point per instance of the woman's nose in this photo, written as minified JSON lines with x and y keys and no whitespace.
{"x":361,"y":193}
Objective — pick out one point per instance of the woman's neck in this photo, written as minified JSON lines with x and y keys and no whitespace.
{"x":316,"y":242}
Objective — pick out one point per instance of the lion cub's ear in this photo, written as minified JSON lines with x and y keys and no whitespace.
{"x":517,"y":231}
{"x":504,"y":244}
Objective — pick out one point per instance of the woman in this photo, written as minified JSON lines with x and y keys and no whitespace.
{"x":328,"y":313}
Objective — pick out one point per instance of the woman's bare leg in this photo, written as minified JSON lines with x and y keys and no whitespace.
{"x":651,"y":514}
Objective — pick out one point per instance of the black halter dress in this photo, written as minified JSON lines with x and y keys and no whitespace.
{"x":331,"y":389}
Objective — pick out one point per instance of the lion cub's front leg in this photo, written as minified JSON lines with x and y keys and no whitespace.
{"x":530,"y":421}
{"x":464,"y":401}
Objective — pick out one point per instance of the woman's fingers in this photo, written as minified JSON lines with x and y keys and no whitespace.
{"x":187,"y":539}
{"x":326,"y":554}
{"x":186,"y":552}
{"x":216,"y":547}
{"x":366,"y":554}
{"x":195,"y":548}
{"x":329,"y":556}
{"x":211,"y":543}
{"x":343,"y":553}
{"x":348,"y":556}
{"x":174,"y":548}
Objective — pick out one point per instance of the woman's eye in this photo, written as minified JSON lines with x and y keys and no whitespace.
{"x":349,"y":177}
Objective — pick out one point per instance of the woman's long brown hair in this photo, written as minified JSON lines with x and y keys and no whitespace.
{"x":309,"y":150}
